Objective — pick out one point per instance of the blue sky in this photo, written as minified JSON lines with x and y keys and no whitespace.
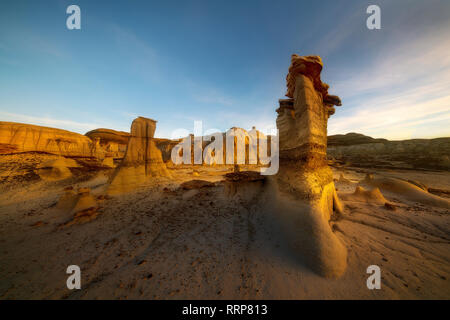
{"x":224,"y":63}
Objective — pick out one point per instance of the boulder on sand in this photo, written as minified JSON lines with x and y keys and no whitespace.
{"x":67,"y":201}
{"x":84,"y":201}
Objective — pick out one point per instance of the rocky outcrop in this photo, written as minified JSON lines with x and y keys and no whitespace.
{"x":351,"y":139}
{"x":77,"y":207}
{"x":19,"y":137}
{"x":306,"y":196}
{"x":406,"y":190}
{"x":113,"y":142}
{"x":166,"y":146}
{"x":363,"y":151}
{"x":57,"y":169}
{"x":311,"y":67}
{"x":143,"y":160}
{"x":373,"y":196}
{"x":84,"y":201}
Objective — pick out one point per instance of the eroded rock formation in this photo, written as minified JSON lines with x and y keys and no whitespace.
{"x":166,"y":146}
{"x":142,"y":159}
{"x":407,"y":190}
{"x":373,"y":196}
{"x":113,"y":142}
{"x":306,"y":192}
{"x":58,"y":169}
{"x":19,"y":137}
{"x":362,"y":151}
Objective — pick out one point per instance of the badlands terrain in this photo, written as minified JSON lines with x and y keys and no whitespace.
{"x":142,"y":225}
{"x":172,"y":240}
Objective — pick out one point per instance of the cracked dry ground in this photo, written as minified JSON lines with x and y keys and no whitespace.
{"x":177,"y":244}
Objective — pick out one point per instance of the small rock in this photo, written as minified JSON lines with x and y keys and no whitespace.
{"x":390,"y":206}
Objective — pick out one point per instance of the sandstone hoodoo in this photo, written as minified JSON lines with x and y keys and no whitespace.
{"x":142,"y":160}
{"x":306,"y":192}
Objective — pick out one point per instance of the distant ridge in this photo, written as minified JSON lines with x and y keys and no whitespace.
{"x":351,"y":138}
{"x":356,"y":149}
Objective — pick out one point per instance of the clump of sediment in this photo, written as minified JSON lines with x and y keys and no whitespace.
{"x":67,"y":201}
{"x":81,"y":206}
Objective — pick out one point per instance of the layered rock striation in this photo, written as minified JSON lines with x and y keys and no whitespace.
{"x":113,"y":142}
{"x":363,"y":151}
{"x":19,"y":137}
{"x":305,"y":189}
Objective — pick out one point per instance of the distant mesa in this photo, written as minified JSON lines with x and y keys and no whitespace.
{"x":19,"y":137}
{"x":352,"y":138}
{"x":363,"y":151}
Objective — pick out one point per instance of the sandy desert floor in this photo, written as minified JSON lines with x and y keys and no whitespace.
{"x":165,"y":242}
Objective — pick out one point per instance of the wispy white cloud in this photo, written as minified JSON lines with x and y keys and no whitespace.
{"x":212,"y":96}
{"x":404,"y":92}
{"x":341,"y":31}
{"x":27,"y":40}
{"x":80,"y":127}
{"x":400,"y":117}
{"x":403,"y":65}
